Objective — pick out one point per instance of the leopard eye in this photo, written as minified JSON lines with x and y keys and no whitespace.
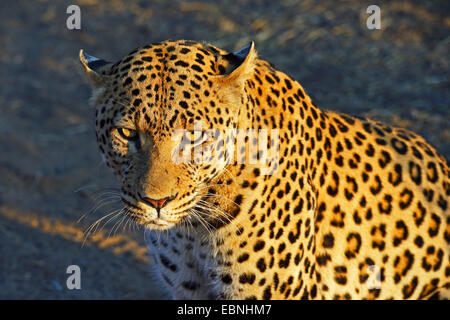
{"x":127,"y":134}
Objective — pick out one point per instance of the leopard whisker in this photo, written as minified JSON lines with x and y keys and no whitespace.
{"x":216,"y":210}
{"x":202,"y":221}
{"x":90,"y":229}
{"x":106,"y":201}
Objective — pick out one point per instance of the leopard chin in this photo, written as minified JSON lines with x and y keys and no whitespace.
{"x":158,"y":224}
{"x":147,"y":220}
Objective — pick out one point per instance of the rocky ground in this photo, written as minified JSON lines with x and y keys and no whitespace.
{"x":50,"y":170}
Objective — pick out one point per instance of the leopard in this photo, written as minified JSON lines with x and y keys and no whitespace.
{"x":339,"y":207}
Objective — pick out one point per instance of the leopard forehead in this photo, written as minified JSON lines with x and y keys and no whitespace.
{"x":167,"y":85}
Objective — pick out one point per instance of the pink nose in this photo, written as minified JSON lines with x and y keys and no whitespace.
{"x":157,"y":203}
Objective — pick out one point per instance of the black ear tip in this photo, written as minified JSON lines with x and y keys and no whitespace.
{"x":91,"y":61}
{"x":242,"y":53}
{"x":87,"y":58}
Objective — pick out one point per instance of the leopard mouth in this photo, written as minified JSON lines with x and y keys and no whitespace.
{"x":153,"y":224}
{"x":139,"y":216}
{"x":144,"y":218}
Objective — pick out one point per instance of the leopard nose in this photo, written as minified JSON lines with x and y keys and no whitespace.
{"x":158,"y":203}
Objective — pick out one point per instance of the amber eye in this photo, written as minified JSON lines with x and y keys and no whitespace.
{"x":127,"y":134}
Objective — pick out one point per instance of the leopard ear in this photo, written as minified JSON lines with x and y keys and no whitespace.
{"x":95,"y":69}
{"x":237,"y":66}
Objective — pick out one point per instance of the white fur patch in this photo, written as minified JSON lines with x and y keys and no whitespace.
{"x":96,"y":93}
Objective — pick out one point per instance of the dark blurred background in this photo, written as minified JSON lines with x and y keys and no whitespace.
{"x":51,"y":172}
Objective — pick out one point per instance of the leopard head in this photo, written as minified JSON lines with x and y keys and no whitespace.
{"x":149,"y":107}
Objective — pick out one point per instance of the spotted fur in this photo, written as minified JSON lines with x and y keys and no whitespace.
{"x":353,"y":210}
